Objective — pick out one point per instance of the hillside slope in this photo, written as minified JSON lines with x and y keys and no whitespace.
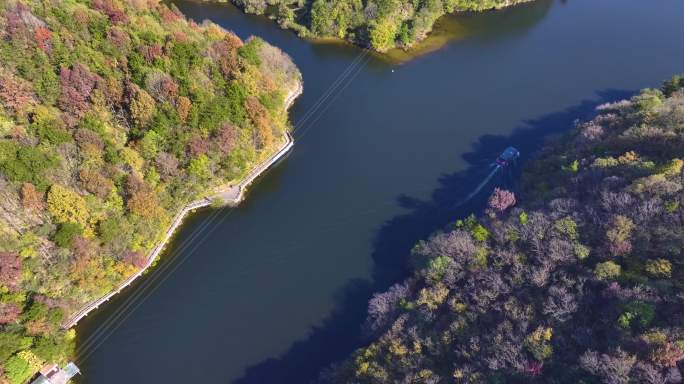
{"x":113,"y":115}
{"x":581,"y":282}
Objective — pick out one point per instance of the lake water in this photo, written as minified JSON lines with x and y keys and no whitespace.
{"x":276,"y":289}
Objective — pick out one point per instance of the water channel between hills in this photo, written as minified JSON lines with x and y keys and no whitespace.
{"x":276,"y":289}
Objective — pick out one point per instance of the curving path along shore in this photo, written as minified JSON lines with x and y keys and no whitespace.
{"x":230,"y":195}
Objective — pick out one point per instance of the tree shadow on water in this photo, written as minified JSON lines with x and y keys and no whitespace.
{"x":341,"y":333}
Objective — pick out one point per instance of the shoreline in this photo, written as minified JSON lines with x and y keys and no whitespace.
{"x":230,"y":195}
{"x":397,"y":54}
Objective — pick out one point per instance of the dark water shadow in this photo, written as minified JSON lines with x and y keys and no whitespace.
{"x":340,"y":334}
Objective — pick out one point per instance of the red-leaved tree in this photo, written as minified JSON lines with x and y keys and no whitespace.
{"x":43,"y":38}
{"x":15,"y":92}
{"x":10,"y":269}
{"x":108,"y":7}
{"x":226,"y":138}
{"x":167,"y":165}
{"x":667,"y":355}
{"x":135,"y":258}
{"x":198,"y":145}
{"x":9,"y":312}
{"x":118,"y":37}
{"x":151,"y":52}
{"x":77,"y":85}
{"x":21,"y":22}
{"x":31,"y":198}
{"x":501,"y":200}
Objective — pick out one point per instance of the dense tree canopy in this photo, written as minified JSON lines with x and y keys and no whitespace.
{"x":113,"y":114}
{"x":579,"y":282}
{"x":378,"y":24}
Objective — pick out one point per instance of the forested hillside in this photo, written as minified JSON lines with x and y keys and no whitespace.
{"x":377,"y":24}
{"x":113,"y":115}
{"x":579,"y":281}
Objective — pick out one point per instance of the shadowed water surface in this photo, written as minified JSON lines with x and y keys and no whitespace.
{"x":278,"y":288}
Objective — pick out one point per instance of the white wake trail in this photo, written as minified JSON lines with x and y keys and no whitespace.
{"x":481,"y":185}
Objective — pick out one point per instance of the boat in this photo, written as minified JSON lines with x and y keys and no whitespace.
{"x":507,"y":156}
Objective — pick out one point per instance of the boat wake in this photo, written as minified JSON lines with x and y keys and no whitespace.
{"x":481,"y":185}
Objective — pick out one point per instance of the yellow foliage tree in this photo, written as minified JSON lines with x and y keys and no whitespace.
{"x":183,"y":106}
{"x":433,"y":297}
{"x":673,"y":167}
{"x":132,"y":158}
{"x":142,"y":108}
{"x":66,"y":205}
{"x":538,"y":343}
{"x":144,"y":203}
{"x":33,"y":361}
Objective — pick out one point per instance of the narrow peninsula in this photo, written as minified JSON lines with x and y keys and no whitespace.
{"x":379,"y":25}
{"x":113,"y":116}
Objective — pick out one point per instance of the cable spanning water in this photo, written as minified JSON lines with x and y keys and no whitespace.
{"x":88,"y":346}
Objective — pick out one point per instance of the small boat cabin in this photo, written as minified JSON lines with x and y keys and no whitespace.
{"x":52,"y":374}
